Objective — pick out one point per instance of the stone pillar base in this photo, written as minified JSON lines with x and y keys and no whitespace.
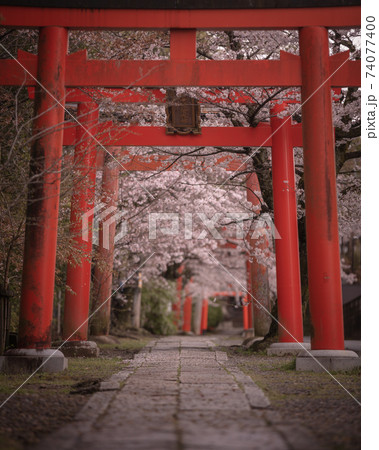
{"x":29,"y":359}
{"x":186,"y":333}
{"x":332,"y":360}
{"x":287,"y":348}
{"x":80,"y":349}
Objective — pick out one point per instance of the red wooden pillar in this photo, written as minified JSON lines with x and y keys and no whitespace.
{"x":248,"y":309}
{"x":75,"y":323}
{"x":285,"y":216}
{"x":250,"y":313}
{"x":38,"y":276}
{"x":187,"y":312}
{"x":325,"y":292}
{"x":176,"y":307}
{"x":102,"y":282}
{"x":204,"y":316}
{"x":245,"y":313}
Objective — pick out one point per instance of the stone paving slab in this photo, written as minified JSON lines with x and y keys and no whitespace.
{"x":180,"y":393}
{"x":158,"y":442}
{"x":150,"y":391}
{"x":204,"y":378}
{"x":240,"y":420}
{"x":256,"y":439}
{"x":200,"y":365}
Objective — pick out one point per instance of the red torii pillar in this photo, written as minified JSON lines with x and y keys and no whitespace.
{"x":187,"y":311}
{"x":248,"y":311}
{"x":204,"y":316}
{"x":37,"y":293}
{"x":75,"y":322}
{"x":103,"y":273}
{"x":176,"y":307}
{"x":245,"y":312}
{"x":325,"y":291}
{"x":286,"y":243}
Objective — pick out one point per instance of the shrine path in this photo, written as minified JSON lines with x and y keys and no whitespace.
{"x":180,"y":393}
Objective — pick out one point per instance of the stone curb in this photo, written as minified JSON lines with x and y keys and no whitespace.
{"x":254,"y":395}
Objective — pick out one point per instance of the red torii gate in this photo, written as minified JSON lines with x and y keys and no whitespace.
{"x":314,"y":71}
{"x":153,"y":163}
{"x":107,"y":134}
{"x":289,"y":297}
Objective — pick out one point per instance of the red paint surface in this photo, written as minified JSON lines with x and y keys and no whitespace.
{"x":116,"y":135}
{"x":182,"y":44}
{"x":245,"y":313}
{"x":325,"y":297}
{"x":102,"y":281}
{"x":248,"y":309}
{"x":204,"y":315}
{"x":176,"y":307}
{"x":38,"y":276}
{"x":75,"y":324}
{"x":110,"y":135}
{"x":81,"y":72}
{"x":285,"y":219}
{"x":153,"y":96}
{"x":279,"y":18}
{"x":187,"y":313}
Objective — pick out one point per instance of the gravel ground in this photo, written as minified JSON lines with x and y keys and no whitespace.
{"x":48,"y":401}
{"x":316,"y":401}
{"x":28,"y":417}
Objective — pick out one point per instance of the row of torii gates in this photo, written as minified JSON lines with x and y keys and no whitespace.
{"x":55,"y":75}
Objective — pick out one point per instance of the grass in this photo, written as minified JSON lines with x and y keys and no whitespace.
{"x":288,"y":366}
{"x":79,"y":369}
{"x":126,"y":344}
{"x":281,"y":381}
{"x":49,"y":400}
{"x":278,"y":377}
{"x":40,"y":391}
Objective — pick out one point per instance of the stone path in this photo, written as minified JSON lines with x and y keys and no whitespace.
{"x":179,"y":393}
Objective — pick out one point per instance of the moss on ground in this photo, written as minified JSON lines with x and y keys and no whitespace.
{"x":323,"y":403}
{"x":48,"y":383}
{"x":125,"y":344}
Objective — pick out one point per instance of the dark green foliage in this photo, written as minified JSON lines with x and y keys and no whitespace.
{"x":214,"y":316}
{"x":156,"y":300}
